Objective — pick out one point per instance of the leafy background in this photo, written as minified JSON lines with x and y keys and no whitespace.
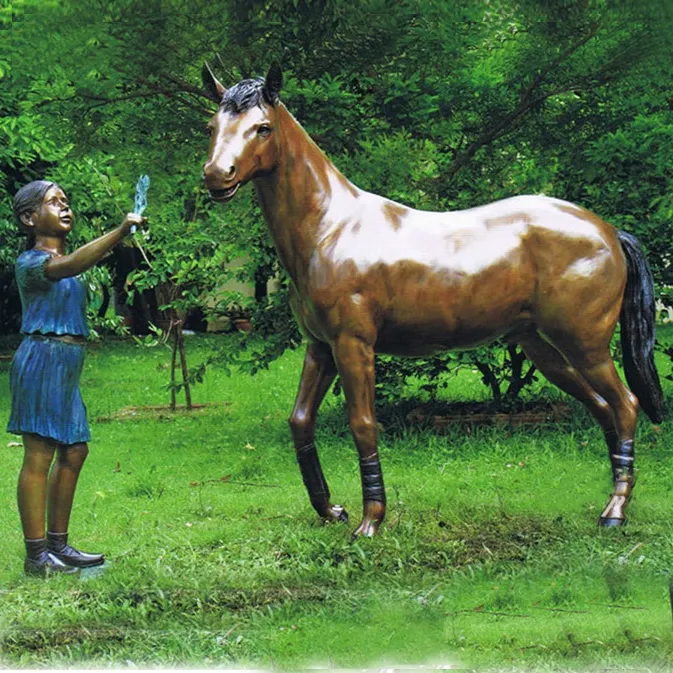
{"x":438,"y":105}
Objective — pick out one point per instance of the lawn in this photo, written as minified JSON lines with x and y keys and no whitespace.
{"x":490,"y":557}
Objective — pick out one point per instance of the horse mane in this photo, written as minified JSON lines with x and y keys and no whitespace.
{"x":245,"y":95}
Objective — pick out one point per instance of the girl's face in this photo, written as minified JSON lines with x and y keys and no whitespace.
{"x":53,"y":217}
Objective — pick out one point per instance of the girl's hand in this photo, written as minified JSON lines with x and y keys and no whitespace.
{"x":132,"y":219}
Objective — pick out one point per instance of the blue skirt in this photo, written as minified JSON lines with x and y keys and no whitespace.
{"x":44,"y":384}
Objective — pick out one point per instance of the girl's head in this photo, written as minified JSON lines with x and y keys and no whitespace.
{"x":29,"y":199}
{"x":34,"y":212}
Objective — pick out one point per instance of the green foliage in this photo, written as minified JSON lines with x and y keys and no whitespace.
{"x":503,"y":369}
{"x":438,"y":105}
{"x":642,"y":147}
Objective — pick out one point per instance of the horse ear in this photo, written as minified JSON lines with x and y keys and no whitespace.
{"x":273,"y":83}
{"x":214,"y":89}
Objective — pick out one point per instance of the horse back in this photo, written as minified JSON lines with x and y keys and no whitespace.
{"x":456,"y":279}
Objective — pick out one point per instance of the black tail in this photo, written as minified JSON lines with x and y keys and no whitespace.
{"x":637,"y":321}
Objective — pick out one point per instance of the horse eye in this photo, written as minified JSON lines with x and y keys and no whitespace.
{"x":264,"y":130}
{"x":209,"y":130}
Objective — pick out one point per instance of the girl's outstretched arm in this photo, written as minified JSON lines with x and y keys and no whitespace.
{"x":85,"y":257}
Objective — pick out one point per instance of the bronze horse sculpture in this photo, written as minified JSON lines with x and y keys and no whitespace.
{"x":371,"y":275}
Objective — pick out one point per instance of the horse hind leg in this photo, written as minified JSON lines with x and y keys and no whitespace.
{"x":598,"y":369}
{"x":601,"y":390}
{"x":562,"y":374}
{"x":594,"y":382}
{"x":317,"y":375}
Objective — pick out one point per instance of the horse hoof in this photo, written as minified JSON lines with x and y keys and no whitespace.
{"x":339,"y":514}
{"x":336,"y":513}
{"x":611,"y":522}
{"x":365,"y":529}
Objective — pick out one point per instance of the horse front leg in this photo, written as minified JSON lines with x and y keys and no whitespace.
{"x":317,"y":375}
{"x":355,"y":362}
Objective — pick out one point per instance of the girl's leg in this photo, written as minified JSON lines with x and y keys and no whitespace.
{"x":32,"y":499}
{"x":62,"y":484}
{"x":32,"y":488}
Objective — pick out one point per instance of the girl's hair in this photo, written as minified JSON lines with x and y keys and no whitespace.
{"x":27,"y":200}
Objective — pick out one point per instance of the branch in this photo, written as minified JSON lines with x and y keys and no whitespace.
{"x":564,"y":55}
{"x":155,"y":91}
{"x":187,"y":87}
{"x":117,"y":99}
{"x":527,"y":102}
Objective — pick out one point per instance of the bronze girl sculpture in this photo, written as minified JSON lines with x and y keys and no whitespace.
{"x":371,"y":275}
{"x":47,"y":408}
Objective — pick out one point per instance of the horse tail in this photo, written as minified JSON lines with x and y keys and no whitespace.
{"x":637,"y":330}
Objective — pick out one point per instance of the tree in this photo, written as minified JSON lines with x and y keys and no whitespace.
{"x":438,"y":105}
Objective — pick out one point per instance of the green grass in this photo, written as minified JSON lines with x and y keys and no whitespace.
{"x":490,"y":556}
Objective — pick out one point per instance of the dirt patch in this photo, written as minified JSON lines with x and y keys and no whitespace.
{"x":508,"y":538}
{"x":246,"y":599}
{"x":20,"y":641}
{"x":156,"y":411}
{"x":184,"y":601}
{"x":474,"y":413}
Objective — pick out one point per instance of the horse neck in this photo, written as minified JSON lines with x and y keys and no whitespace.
{"x":296,"y":196}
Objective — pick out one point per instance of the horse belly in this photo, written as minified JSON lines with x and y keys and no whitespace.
{"x":431,"y":337}
{"x":458,"y":314}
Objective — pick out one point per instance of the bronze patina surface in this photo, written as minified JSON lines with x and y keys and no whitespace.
{"x":371,"y":275}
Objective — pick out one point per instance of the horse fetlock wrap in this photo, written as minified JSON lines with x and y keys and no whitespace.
{"x":314,"y":480}
{"x":370,"y":275}
{"x":372,"y":480}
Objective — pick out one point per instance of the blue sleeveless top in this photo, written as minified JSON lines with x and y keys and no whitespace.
{"x":49,"y":306}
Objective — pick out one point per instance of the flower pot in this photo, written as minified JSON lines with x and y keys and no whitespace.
{"x":242,"y":324}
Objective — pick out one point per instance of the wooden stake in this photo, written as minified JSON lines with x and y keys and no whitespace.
{"x":183,"y":363}
{"x":173,"y":361}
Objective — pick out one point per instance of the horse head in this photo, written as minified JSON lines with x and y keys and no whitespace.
{"x":243,"y":142}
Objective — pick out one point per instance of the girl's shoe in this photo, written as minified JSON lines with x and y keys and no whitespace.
{"x":58,"y":547}
{"x":43,"y":563}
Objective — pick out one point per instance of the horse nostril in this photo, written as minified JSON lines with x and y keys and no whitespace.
{"x":211,"y":171}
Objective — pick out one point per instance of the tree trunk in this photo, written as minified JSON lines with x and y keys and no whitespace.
{"x":518,"y":381}
{"x":491,"y":381}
